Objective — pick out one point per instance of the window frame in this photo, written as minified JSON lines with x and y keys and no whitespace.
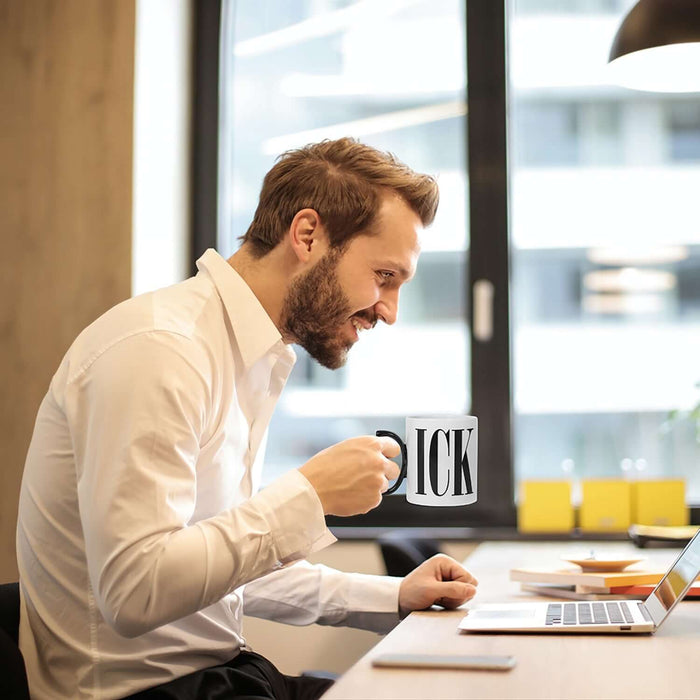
{"x":488,"y":256}
{"x":206,"y":67}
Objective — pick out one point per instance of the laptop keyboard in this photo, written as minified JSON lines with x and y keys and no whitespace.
{"x":612,"y":613}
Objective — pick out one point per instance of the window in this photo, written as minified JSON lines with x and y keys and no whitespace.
{"x":392,"y":74}
{"x":684,"y":129}
{"x":572,"y":196}
{"x":604,"y":256}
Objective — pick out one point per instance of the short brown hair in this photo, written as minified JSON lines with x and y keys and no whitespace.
{"x":342,"y":181}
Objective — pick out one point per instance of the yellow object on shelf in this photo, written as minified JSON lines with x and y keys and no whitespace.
{"x":659,"y":502}
{"x":606,"y":505}
{"x":545,"y":506}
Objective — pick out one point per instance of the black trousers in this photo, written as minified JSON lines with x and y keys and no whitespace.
{"x":248,"y":676}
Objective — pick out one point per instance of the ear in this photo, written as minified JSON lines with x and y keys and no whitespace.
{"x":307,"y":236}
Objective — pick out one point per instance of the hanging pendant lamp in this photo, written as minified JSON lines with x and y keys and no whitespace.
{"x":657,"y":47}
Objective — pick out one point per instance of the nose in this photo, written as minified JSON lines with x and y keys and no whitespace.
{"x":387,"y":308}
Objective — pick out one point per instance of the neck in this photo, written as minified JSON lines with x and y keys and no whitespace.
{"x":268,"y":278}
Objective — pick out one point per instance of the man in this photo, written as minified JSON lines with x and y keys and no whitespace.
{"x":140,"y":516}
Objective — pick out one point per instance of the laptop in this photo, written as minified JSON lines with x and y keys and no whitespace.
{"x":612,"y":617}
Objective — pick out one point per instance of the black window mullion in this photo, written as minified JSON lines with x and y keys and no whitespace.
{"x":205,"y":125}
{"x":489,"y":253}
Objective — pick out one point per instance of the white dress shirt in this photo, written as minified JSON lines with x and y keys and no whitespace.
{"x":140,"y":516}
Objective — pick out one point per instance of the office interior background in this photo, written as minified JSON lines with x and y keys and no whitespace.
{"x":602,"y":283}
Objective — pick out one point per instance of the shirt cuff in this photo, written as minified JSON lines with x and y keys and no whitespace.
{"x":294,"y":509}
{"x":373,"y":602}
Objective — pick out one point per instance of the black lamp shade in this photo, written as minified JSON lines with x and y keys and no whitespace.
{"x":653,"y":23}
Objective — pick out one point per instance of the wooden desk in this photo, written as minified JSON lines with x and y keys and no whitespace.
{"x":663,"y":665}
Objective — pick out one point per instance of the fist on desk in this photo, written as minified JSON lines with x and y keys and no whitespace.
{"x":351,"y":477}
{"x":439,"y":580}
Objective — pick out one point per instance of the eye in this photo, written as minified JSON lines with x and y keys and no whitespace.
{"x":386,"y":275}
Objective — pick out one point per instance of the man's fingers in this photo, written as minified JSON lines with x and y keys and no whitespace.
{"x":388,"y":447}
{"x":451,"y":570}
{"x":454,"y":593}
{"x":391,"y":470}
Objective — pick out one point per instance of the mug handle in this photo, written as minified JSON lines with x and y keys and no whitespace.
{"x":404,"y":458}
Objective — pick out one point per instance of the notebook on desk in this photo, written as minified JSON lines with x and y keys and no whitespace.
{"x":629,"y":616}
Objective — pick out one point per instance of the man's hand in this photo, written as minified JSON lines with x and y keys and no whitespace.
{"x":439,"y":580}
{"x":351,"y":477}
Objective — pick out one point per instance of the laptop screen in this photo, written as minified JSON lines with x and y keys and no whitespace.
{"x":674,"y":585}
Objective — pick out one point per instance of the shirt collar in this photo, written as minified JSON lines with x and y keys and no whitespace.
{"x":254,"y":330}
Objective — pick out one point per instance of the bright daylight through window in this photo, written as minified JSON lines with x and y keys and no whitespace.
{"x":605,"y":250}
{"x":604,"y":235}
{"x":298,"y":72}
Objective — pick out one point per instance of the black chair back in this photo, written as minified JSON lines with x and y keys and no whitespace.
{"x":9,"y":610}
{"x":402,"y":554}
{"x":13,"y":675}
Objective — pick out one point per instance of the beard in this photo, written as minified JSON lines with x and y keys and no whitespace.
{"x":314,"y":311}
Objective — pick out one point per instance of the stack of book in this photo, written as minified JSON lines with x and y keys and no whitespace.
{"x":576,"y":584}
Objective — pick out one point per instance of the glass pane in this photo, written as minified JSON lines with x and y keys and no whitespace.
{"x":392,"y":74}
{"x":606,"y":255}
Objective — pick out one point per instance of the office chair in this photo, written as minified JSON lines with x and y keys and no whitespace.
{"x":13,"y":675}
{"x":402,"y":554}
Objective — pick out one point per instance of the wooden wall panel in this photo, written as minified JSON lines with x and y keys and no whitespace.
{"x":66,"y":115}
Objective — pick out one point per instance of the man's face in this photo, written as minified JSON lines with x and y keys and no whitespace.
{"x":344,"y":293}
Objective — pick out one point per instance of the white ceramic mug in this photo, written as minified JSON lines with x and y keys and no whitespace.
{"x":438,"y":460}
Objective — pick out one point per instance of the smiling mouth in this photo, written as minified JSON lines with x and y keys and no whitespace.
{"x":361,"y":324}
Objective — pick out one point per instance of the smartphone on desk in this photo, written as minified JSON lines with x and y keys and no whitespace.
{"x":483,"y":662}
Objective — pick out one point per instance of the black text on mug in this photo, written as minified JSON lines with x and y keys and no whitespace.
{"x":438,"y":460}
